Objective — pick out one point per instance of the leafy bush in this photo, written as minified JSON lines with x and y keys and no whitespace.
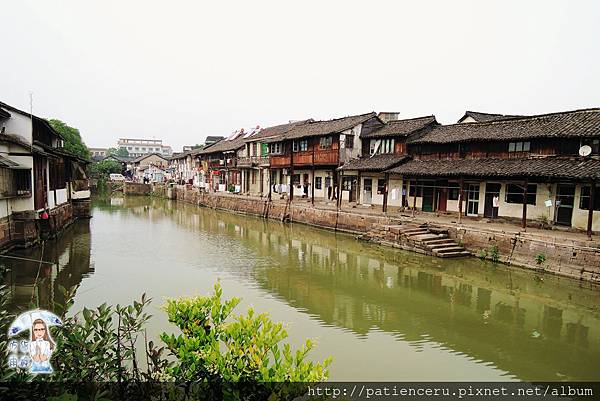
{"x":104,"y":168}
{"x":540,"y":258}
{"x":483,"y":254}
{"x":494,"y":254}
{"x":246,"y":349}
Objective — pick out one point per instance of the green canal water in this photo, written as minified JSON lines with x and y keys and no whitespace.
{"x":381,"y":314}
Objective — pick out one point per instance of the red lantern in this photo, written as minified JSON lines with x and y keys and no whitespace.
{"x":44,"y":215}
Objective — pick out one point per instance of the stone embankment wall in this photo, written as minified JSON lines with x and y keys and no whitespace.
{"x":578,"y":259}
{"x":24,"y":229}
{"x":136,"y":188}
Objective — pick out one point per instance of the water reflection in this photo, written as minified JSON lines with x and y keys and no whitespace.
{"x":527,"y":327}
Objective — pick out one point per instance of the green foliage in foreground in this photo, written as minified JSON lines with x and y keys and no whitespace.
{"x":98,"y":353}
{"x":244,"y":349}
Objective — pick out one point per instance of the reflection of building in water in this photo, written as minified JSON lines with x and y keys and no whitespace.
{"x":69,"y":256}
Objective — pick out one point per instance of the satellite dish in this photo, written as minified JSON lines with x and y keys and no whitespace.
{"x":585,"y":150}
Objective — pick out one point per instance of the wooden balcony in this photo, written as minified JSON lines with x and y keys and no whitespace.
{"x":253,"y":161}
{"x":245,"y":161}
{"x":327,"y":156}
{"x":280,"y":161}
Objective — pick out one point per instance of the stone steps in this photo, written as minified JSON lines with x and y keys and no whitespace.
{"x":421,"y":238}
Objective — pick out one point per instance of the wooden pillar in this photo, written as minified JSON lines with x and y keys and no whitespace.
{"x":461,"y":194}
{"x":312,"y":186}
{"x":291,"y":172}
{"x":358,"y":188}
{"x":414,"y":208}
{"x":591,"y":209}
{"x":339,"y":189}
{"x":524,"y":222}
{"x":385,"y":192}
{"x":270,"y":182}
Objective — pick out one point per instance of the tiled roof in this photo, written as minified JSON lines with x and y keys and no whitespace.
{"x":321,"y":128}
{"x":485,"y":117}
{"x":223,"y":145}
{"x":402,"y":127}
{"x":4,"y":162}
{"x":277,"y":130}
{"x":374,"y":163}
{"x":546,"y":167}
{"x":142,"y":157}
{"x":4,"y":114}
{"x":570,"y":124}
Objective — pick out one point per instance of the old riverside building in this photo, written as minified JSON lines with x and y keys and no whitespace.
{"x":43,"y":187}
{"x":538,"y":169}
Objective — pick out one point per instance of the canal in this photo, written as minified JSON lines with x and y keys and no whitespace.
{"x":381,"y":314}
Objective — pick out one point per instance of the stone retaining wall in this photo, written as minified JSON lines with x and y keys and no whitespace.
{"x":576,"y":259}
{"x":136,"y":188}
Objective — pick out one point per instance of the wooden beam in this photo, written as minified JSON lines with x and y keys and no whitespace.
{"x":385,"y":192}
{"x":270,"y":183}
{"x":524,"y":221}
{"x":591,"y":209}
{"x":358,"y":188}
{"x":461,"y":194}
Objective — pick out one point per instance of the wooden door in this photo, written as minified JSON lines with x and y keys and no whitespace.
{"x":491,"y":190}
{"x":565,"y":200}
{"x":427,"y":197}
{"x":442,"y":195}
{"x":40,"y":188}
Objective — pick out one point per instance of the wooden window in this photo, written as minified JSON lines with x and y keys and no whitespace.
{"x":519,"y":147}
{"x":318,"y":182}
{"x":453,"y":190}
{"x":349,"y":141}
{"x":380,"y":186}
{"x":275,"y":148}
{"x":15,"y":183}
{"x":381,"y":146}
{"x":325,"y":142}
{"x":294,"y":146}
{"x":584,"y":199}
{"x":347,"y":183}
{"x":514,"y":193}
{"x":303,"y":145}
{"x":296,"y":179}
{"x":253,"y":149}
{"x":57,"y":174}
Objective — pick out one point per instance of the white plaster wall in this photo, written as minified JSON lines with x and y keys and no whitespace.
{"x":85,"y":194}
{"x":4,"y":208}
{"x":580,"y":217}
{"x":346,"y":194}
{"x":61,"y":196}
{"x":395,"y":184}
{"x":356,"y":150}
{"x":18,"y":124}
{"x":376,"y":199}
{"x":534,"y":212}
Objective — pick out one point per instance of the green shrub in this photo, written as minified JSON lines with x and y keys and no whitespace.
{"x":246,"y":349}
{"x":494,"y":254}
{"x":483,"y":254}
{"x":540,"y":258}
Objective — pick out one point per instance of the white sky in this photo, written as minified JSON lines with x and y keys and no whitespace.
{"x":180,"y":71}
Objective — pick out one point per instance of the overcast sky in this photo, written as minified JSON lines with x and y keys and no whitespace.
{"x":180,"y":71}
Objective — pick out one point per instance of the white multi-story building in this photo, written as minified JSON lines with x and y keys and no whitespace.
{"x":140,"y":147}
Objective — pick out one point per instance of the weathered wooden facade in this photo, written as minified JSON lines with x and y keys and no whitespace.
{"x":526,"y":168}
{"x":43,"y":187}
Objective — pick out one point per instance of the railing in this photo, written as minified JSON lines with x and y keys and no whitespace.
{"x":252,"y":161}
{"x":245,"y":161}
{"x":280,"y":161}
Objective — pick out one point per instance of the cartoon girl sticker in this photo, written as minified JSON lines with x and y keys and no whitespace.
{"x":40,"y":347}
{"x":34,"y":354}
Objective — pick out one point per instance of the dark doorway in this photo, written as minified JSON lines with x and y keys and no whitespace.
{"x":353,"y":189}
{"x":441,"y":194}
{"x":565,"y":199}
{"x":427,"y":196}
{"x":491,"y":190}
